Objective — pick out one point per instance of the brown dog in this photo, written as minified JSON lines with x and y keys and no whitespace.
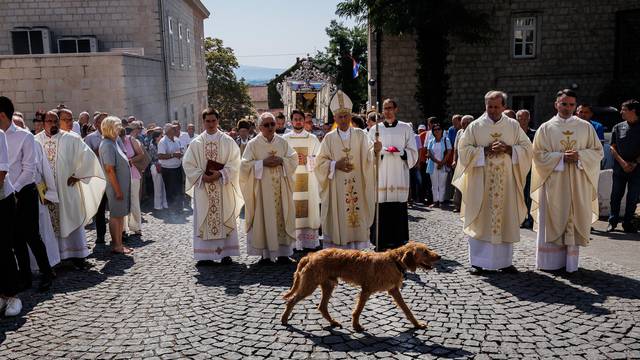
{"x":372,"y":271}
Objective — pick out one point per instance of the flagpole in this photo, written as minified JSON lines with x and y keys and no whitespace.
{"x":377,"y":185}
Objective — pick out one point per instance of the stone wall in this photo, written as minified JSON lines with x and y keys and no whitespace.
{"x":397,"y":74}
{"x":120,"y":84}
{"x":115,"y":23}
{"x":576,"y":45}
{"x":187,"y":81}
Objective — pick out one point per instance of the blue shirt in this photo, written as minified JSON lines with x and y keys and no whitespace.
{"x":599,"y":129}
{"x":452,"y":132}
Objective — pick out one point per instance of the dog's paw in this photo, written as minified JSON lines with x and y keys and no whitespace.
{"x":335,"y":324}
{"x":358,"y":328}
{"x":420,"y":325}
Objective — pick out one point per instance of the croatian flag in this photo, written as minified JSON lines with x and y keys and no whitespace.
{"x":356,"y":68}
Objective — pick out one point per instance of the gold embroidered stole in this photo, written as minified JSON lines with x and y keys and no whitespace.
{"x":51,"y":152}
{"x":212,"y":227}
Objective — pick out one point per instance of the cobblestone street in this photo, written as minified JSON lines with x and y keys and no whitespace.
{"x":159,"y":304}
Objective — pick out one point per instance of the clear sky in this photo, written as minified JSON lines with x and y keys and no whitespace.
{"x":255,"y":28}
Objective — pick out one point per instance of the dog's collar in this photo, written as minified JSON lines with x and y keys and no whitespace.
{"x":401,"y":267}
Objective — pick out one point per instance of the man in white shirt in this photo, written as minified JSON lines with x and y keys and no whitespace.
{"x":170,"y":158}
{"x":22,"y":162}
{"x":183,"y":137}
{"x":10,"y":304}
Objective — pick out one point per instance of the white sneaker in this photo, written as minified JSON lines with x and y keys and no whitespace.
{"x":14,"y":307}
{"x":3,"y":303}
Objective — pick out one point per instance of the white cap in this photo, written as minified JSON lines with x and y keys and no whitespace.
{"x":340,"y":103}
{"x":422,"y":127}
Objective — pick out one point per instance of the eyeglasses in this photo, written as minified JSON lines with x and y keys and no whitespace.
{"x":269,"y":124}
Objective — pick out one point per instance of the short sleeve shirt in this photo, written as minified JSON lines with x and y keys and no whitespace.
{"x":168,"y":146}
{"x":626,"y":138}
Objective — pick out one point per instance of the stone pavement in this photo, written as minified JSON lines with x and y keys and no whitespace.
{"x":158,"y":304}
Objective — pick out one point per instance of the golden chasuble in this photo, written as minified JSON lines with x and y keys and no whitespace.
{"x":572,"y":189}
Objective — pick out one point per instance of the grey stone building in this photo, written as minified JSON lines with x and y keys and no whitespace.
{"x":539,"y":47}
{"x":126,"y":57}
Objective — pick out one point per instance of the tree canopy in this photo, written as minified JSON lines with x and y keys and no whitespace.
{"x":432,"y":22}
{"x":336,"y":60}
{"x":226,"y":93}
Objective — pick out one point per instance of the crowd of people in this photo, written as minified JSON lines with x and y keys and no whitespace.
{"x":345,"y":185}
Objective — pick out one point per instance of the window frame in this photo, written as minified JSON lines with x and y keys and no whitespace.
{"x":170,"y":21}
{"x":535,"y":28}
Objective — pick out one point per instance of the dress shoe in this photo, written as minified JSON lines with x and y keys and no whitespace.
{"x":46,"y":280}
{"x":629,"y":228}
{"x":284,"y":260}
{"x":80,"y":264}
{"x":205,"y":263}
{"x":510,"y":270}
{"x":476,"y":270}
{"x":226,"y":260}
{"x":611,"y":227}
{"x":265,"y":262}
{"x":14,"y":306}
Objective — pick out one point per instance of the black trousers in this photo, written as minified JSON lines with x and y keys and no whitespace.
{"x":173,"y":186}
{"x":101,"y":218}
{"x":394,"y":226}
{"x":622,"y":182}
{"x":426,"y":185}
{"x":527,"y":196}
{"x":27,"y":233}
{"x":9,"y":283}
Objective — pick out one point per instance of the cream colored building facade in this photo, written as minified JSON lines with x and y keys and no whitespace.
{"x":148,"y":59}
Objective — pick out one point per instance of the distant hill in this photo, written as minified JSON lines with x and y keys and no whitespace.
{"x":256,"y":75}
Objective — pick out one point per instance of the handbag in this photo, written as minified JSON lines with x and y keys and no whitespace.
{"x":143,"y":162}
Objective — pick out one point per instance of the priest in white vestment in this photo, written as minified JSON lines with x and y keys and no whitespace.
{"x":494,"y":157}
{"x":306,"y":194}
{"x":215,"y":191}
{"x":46,"y":183}
{"x":266,"y":179}
{"x":564,"y":185}
{"x":398,"y":154}
{"x":344,"y":170}
{"x":80,"y":183}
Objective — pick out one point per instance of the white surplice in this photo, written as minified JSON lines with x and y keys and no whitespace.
{"x":43,"y":174}
{"x":68,"y":156}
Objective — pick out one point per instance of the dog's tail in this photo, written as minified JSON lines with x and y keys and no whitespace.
{"x":296,"y":278}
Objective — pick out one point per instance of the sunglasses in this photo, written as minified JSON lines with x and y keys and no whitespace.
{"x":269,"y":124}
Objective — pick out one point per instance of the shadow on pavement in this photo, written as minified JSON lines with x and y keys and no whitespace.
{"x":616,"y":235}
{"x":169,"y":216}
{"x":537,"y":287}
{"x":406,"y":341}
{"x":606,"y":284}
{"x":233,"y":277}
{"x":67,"y":280}
{"x":447,"y":266}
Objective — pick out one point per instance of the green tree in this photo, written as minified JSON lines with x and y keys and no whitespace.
{"x":433,"y":22}
{"x":335,"y":60}
{"x":226,"y":93}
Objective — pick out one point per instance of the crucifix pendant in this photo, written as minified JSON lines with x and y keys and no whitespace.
{"x":347,"y":154}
